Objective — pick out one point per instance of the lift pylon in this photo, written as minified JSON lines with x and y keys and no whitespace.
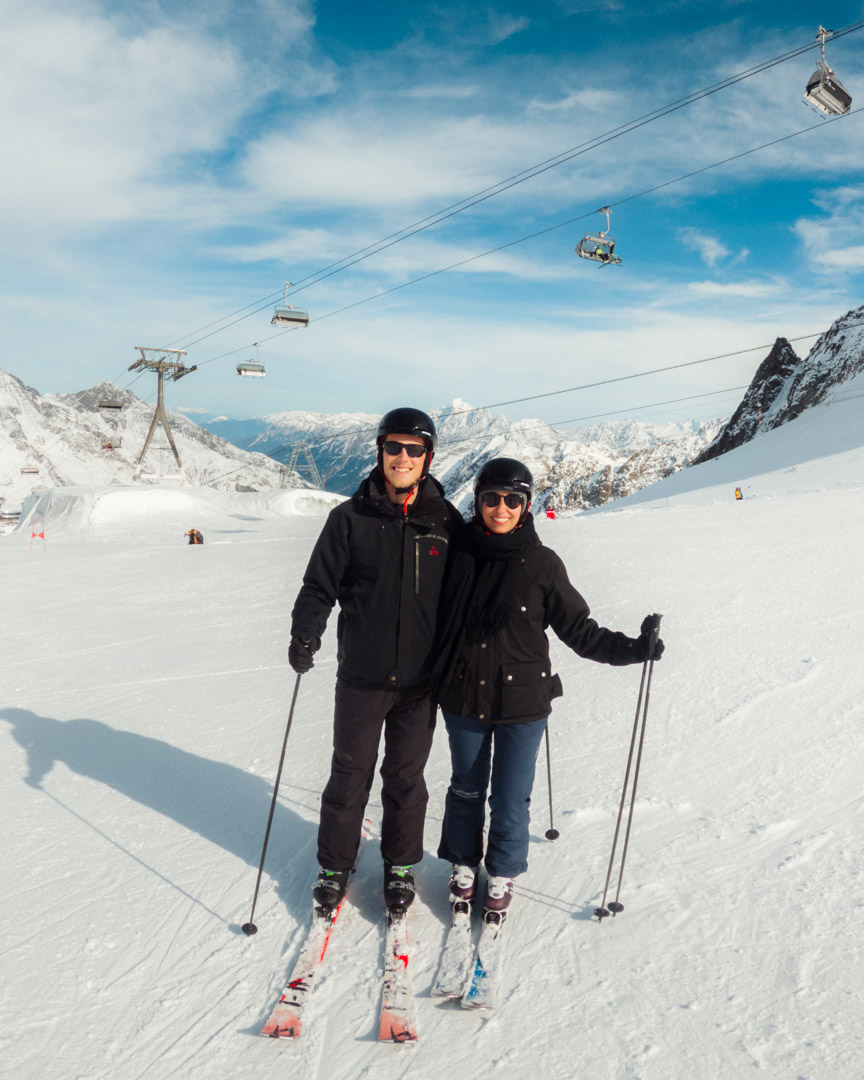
{"x":162,"y":363}
{"x":306,"y":468}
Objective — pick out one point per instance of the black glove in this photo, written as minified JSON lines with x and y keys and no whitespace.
{"x":644,"y":640}
{"x":300,"y":653}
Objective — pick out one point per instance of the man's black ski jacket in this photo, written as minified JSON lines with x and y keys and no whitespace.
{"x":384,"y":567}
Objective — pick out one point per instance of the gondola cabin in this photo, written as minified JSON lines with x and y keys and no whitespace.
{"x":288,"y":315}
{"x":251,"y":369}
{"x":826,"y":93}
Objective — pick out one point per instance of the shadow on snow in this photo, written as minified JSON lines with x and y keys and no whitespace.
{"x":221,"y":803}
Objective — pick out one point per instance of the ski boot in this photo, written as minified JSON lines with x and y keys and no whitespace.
{"x":496,"y":900}
{"x":463,"y":887}
{"x":329,"y":889}
{"x":398,"y":888}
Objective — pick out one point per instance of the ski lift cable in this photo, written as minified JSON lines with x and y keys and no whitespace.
{"x":512,"y":181}
{"x":581,"y":217}
{"x":321,"y":440}
{"x":551,"y":163}
{"x":542,"y":232}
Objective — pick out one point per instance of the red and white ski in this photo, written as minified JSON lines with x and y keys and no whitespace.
{"x":286,"y":1020}
{"x":398,"y":1021}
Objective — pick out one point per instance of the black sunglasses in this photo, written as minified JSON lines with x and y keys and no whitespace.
{"x":394,"y":449}
{"x":490,"y":500}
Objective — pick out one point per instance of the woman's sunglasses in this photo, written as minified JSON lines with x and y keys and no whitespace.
{"x":394,"y":449}
{"x":490,"y":500}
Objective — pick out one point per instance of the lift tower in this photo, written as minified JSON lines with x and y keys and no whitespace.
{"x":306,"y":467}
{"x":162,"y":363}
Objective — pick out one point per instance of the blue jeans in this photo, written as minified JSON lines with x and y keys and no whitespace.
{"x":507,"y":775}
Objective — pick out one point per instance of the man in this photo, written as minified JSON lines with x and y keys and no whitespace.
{"x":381,"y":556}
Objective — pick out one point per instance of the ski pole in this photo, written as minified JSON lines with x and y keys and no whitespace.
{"x":644,"y":687}
{"x":250,"y":928}
{"x":551,"y":833}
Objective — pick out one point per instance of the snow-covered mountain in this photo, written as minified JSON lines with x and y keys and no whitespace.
{"x":572,"y":470}
{"x":785,"y":384}
{"x":95,"y":437}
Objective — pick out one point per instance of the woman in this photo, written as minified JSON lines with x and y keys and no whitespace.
{"x":494,"y":681}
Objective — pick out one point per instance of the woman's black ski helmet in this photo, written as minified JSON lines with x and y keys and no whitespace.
{"x":504,"y":474}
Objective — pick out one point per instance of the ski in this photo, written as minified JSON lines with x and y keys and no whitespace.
{"x":286,"y":1020}
{"x":454,"y":966}
{"x":482,"y":992}
{"x":398,"y":1023}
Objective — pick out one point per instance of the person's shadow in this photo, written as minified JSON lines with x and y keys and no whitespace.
{"x":220,"y":802}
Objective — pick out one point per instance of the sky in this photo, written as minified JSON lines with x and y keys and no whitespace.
{"x":170,"y":165}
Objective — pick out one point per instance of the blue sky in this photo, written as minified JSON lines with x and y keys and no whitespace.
{"x":172,"y":163}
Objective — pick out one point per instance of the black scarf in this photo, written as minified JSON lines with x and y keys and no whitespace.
{"x":482,"y":578}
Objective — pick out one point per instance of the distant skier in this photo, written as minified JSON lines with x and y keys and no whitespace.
{"x":494,"y":679}
{"x":195,"y":537}
{"x":738,"y":494}
{"x":381,"y":557}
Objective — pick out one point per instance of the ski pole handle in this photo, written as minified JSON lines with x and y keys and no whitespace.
{"x":653,"y":636}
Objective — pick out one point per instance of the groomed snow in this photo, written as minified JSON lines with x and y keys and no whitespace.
{"x":146,"y":692}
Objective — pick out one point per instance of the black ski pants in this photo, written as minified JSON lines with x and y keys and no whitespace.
{"x":408,"y":720}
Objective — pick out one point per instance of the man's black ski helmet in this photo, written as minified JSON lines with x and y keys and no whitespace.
{"x":408,"y":421}
{"x":504,"y":474}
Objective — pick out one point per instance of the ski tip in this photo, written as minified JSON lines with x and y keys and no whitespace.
{"x":283,"y":1029}
{"x":393,"y":1029}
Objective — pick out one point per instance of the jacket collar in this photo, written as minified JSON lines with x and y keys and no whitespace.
{"x":373,"y":493}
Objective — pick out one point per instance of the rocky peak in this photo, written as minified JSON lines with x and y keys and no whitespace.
{"x":784,"y":385}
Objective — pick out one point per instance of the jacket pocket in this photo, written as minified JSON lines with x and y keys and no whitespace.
{"x":528,"y":689}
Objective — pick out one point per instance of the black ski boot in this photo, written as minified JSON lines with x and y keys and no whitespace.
{"x":398,"y":888}
{"x":329,"y":888}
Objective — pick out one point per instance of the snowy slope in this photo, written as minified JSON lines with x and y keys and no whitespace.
{"x":145,"y":701}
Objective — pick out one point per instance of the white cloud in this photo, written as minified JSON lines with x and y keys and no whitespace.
{"x":593,"y":99}
{"x":709,"y":248}
{"x":501,"y":27}
{"x":753,"y":290}
{"x":384,"y":159}
{"x":834,"y":238}
{"x":446,"y":91}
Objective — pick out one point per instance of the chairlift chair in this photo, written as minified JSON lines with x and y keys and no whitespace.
{"x":252,"y":368}
{"x":286,"y":314}
{"x":599,"y":247}
{"x":29,"y":470}
{"x":824,"y":90}
{"x":110,"y":406}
